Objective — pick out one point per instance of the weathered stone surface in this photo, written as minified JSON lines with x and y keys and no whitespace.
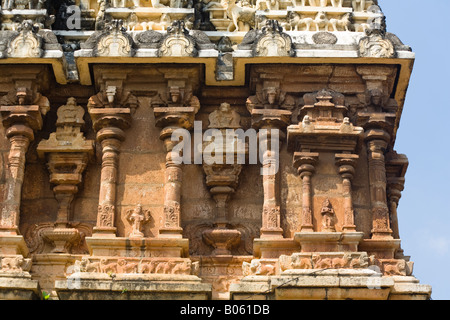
{"x":96,"y":204}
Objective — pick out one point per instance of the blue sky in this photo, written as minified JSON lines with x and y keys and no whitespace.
{"x":424,"y":137}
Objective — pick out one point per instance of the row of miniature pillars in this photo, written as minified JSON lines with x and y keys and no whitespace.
{"x":111,"y":138}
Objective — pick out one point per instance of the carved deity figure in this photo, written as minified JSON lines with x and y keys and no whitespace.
{"x":137,"y":217}
{"x":328,"y":217}
{"x":224,"y":117}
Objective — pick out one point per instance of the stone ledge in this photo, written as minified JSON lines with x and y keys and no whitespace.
{"x":131,"y":287}
{"x":19,"y":287}
{"x":337,"y":284}
{"x":409,"y":288}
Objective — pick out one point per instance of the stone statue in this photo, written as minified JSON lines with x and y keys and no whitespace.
{"x":224,"y":117}
{"x":328,"y":217}
{"x":137,"y":217}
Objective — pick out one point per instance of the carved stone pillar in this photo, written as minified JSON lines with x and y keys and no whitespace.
{"x":174,"y":109}
{"x":304,"y":162}
{"x":377,"y":141}
{"x":396,"y":166}
{"x":395,"y":187}
{"x":346,"y":164}
{"x":270,"y":123}
{"x":20,"y":122}
{"x":172,"y":191}
{"x":270,"y":110}
{"x":109,"y":122}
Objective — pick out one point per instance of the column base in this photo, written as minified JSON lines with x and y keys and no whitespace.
{"x":13,"y":244}
{"x":271,"y":233}
{"x":102,"y":232}
{"x":380,"y":248}
{"x":269,"y":248}
{"x":328,"y":241}
{"x":171,"y":233}
{"x":137,"y":247}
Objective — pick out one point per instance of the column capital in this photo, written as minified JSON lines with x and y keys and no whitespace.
{"x":304,"y":162}
{"x":346,"y":164}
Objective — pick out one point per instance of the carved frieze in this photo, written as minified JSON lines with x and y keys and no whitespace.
{"x":14,"y":264}
{"x":342,"y":260}
{"x":126,"y":265}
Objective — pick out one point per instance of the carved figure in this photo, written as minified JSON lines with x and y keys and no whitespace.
{"x":182,"y":268}
{"x":164,"y":267}
{"x":301,"y":263}
{"x":87,"y":266}
{"x":224,"y":117}
{"x":100,"y":20}
{"x":132,"y":22}
{"x":15,"y":264}
{"x":239,"y":14}
{"x":343,"y":23}
{"x":321,"y":21}
{"x":361,"y":262}
{"x":106,"y":267}
{"x":297,"y":22}
{"x":137,"y":218}
{"x":124,"y":266}
{"x":339,"y":263}
{"x":147,"y":267}
{"x":321,"y":263}
{"x":259,"y":269}
{"x":396,"y":269}
{"x":328,"y":217}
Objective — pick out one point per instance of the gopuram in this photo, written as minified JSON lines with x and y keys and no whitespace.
{"x":202,"y":149}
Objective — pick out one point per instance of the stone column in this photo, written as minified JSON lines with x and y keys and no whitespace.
{"x":396,"y":167}
{"x":20,"y":123}
{"x":174,"y":108}
{"x":172,"y":189}
{"x":271,"y":224}
{"x":268,"y":121}
{"x":394,"y":191}
{"x":171,"y":119}
{"x":346,"y":164}
{"x":305,"y":162}
{"x":110,"y":124}
{"x":377,"y":142}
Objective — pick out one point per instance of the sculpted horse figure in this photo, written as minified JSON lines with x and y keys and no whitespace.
{"x":242,"y":17}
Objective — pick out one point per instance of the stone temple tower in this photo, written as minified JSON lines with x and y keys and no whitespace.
{"x":202,"y":149}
